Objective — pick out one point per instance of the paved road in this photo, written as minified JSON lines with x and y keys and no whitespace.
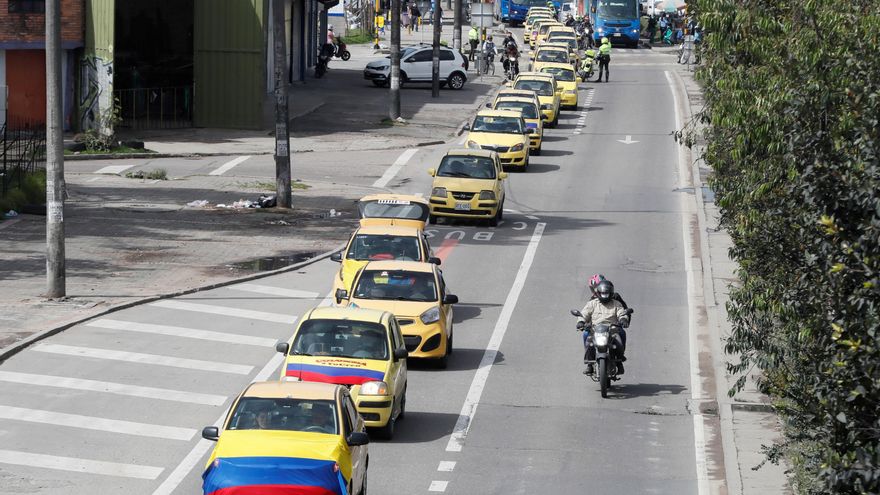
{"x":115,"y":405}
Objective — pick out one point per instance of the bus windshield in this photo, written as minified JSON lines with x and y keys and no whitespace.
{"x":617,"y":10}
{"x":530,"y":3}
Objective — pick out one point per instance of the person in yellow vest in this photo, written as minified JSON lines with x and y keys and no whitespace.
{"x":473,"y":40}
{"x":604,"y":58}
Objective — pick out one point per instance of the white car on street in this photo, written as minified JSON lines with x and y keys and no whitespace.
{"x":416,"y":65}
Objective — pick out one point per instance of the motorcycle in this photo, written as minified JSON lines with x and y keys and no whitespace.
{"x":324,"y":57}
{"x":510,"y":61}
{"x":342,"y":50}
{"x":605,"y":344}
{"x":588,"y":66}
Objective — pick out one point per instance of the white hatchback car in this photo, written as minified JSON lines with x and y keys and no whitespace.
{"x":416,"y":65}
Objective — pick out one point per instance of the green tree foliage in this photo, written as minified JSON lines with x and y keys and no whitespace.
{"x":792,"y":94}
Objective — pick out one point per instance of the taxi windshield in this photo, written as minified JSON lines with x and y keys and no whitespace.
{"x":500,"y":125}
{"x":286,"y":414}
{"x":528,"y":109}
{"x":563,"y":38}
{"x":471,"y":167}
{"x":543,"y":88}
{"x":341,"y":338}
{"x":393,"y":208}
{"x":396,"y":286}
{"x":552,"y":56}
{"x":560,"y":73}
{"x":383,"y":247}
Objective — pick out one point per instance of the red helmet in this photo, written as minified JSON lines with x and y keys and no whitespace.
{"x":595,"y":279}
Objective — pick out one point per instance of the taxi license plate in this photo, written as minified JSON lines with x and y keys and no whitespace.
{"x":616,"y":34}
{"x":463,"y":206}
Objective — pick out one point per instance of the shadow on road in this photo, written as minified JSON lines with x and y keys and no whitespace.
{"x":420,"y":427}
{"x":633,"y":390}
{"x":462,"y":359}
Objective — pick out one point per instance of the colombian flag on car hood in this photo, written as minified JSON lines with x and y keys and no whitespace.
{"x":273,"y":476}
{"x":341,"y":371}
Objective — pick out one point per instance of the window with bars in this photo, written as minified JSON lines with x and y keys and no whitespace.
{"x":27,"y":6}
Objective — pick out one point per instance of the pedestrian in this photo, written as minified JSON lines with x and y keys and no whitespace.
{"x":652,"y":28}
{"x":415,"y":16}
{"x":405,"y":21}
{"x":473,"y":40}
{"x":664,"y":23}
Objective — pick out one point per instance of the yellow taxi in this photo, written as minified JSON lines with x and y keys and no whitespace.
{"x":468,"y":184}
{"x":536,"y":29}
{"x":514,"y":93}
{"x":298,"y":437}
{"x":550,"y":55}
{"x":502,"y":131}
{"x":417,"y":295}
{"x":393,"y":209}
{"x":544,"y":29}
{"x":530,"y":108}
{"x":359,"y":348}
{"x":571,"y":48}
{"x":531,"y":18}
{"x":544,"y":85}
{"x":380,"y":242}
{"x":566,"y":79}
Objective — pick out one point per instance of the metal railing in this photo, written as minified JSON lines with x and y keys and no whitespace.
{"x":22,"y":152}
{"x":155,"y":108}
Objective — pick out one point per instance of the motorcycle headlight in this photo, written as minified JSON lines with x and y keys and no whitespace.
{"x":601,"y":339}
{"x":439,"y":191}
{"x":473,"y":144}
{"x":488,"y":195}
{"x":291,"y":379}
{"x":517,"y":147}
{"x":374,"y":388}
{"x":430,"y":316}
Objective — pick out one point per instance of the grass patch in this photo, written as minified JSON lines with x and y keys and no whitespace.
{"x":157,"y":174}
{"x":119,"y":150}
{"x":357,"y":37}
{"x":270,"y":186}
{"x":32,"y":190}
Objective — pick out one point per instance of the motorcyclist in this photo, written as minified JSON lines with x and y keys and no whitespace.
{"x":585,"y":70}
{"x":603,"y":307}
{"x":508,"y":40}
{"x":569,"y":20}
{"x":604,"y":59}
{"x":510,"y":58}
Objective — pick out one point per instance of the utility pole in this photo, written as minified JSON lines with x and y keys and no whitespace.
{"x":282,"y":137}
{"x":55,"y":259}
{"x":435,"y":63}
{"x":456,"y":25}
{"x":394,"y":110}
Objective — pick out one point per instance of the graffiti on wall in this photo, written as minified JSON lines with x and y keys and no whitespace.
{"x":96,"y":94}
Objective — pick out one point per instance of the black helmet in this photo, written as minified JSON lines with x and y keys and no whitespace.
{"x":604,"y":291}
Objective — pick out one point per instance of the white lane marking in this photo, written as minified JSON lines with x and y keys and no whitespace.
{"x":438,"y":486}
{"x":136,"y":357}
{"x":225,"y":311}
{"x":532,"y":217}
{"x":446,"y":466}
{"x":113,"y":169}
{"x":95,"y":423}
{"x":226,"y":167}
{"x":203,"y":446}
{"x":190,"y":333}
{"x":688,"y":212}
{"x":93,"y":179}
{"x":79,"y":465}
{"x":275,"y":291}
{"x":469,"y":408}
{"x":628,"y":140}
{"x":112,"y":388}
{"x":395,"y":167}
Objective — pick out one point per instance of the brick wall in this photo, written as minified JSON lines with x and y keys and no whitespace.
{"x":31,"y":27}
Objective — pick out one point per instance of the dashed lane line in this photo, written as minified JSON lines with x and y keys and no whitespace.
{"x":446,"y":466}
{"x":113,"y":169}
{"x":395,"y":167}
{"x":136,"y":357}
{"x":469,"y":408}
{"x":96,"y":423}
{"x":438,"y":486}
{"x":225,"y":311}
{"x":112,"y":388}
{"x":190,"y":333}
{"x":226,"y":167}
{"x":73,"y":464}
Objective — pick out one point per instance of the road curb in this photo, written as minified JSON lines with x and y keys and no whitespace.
{"x":13,"y":349}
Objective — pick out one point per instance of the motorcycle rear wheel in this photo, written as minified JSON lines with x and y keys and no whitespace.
{"x":345,"y":55}
{"x":603,"y":377}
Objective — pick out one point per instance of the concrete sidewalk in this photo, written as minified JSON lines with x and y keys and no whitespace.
{"x":748,"y":422}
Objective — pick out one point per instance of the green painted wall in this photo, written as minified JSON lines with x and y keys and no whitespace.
{"x":229,"y":63}
{"x":95,"y":87}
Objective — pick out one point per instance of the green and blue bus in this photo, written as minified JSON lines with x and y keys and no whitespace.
{"x":514,"y":11}
{"x":617,"y":20}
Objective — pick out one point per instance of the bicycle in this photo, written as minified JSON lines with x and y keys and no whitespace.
{"x":487,"y":60}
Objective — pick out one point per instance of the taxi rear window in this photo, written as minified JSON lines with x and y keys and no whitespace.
{"x":396,"y":286}
{"x":341,"y":338}
{"x":286,"y":414}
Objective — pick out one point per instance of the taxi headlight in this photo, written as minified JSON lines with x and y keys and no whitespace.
{"x":473,"y":144}
{"x":439,"y":191}
{"x":430,"y":316}
{"x":291,"y":379}
{"x":487,"y":195}
{"x":374,"y":388}
{"x":517,"y":147}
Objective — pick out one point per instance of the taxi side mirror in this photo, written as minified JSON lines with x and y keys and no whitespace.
{"x":340,"y":295}
{"x":211,"y":433}
{"x":466,"y":127}
{"x":337,"y":257}
{"x":502,"y":175}
{"x":488,"y":105}
{"x":400,"y":353}
{"x":282,"y":347}
{"x":450,"y":299}
{"x":432,"y":172}
{"x":357,"y":438}
{"x":435,"y":260}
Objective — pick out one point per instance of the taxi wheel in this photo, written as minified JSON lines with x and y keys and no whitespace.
{"x":493,"y":222}
{"x":364,"y":486}
{"x":402,"y":413}
{"x":387,"y":432}
{"x":537,"y":152}
{"x":443,"y":362}
{"x":432,"y":219}
{"x":556,"y":120}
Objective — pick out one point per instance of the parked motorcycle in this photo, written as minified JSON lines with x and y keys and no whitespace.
{"x":326,"y":53}
{"x":342,"y":50}
{"x":588,"y":66}
{"x":603,"y":351}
